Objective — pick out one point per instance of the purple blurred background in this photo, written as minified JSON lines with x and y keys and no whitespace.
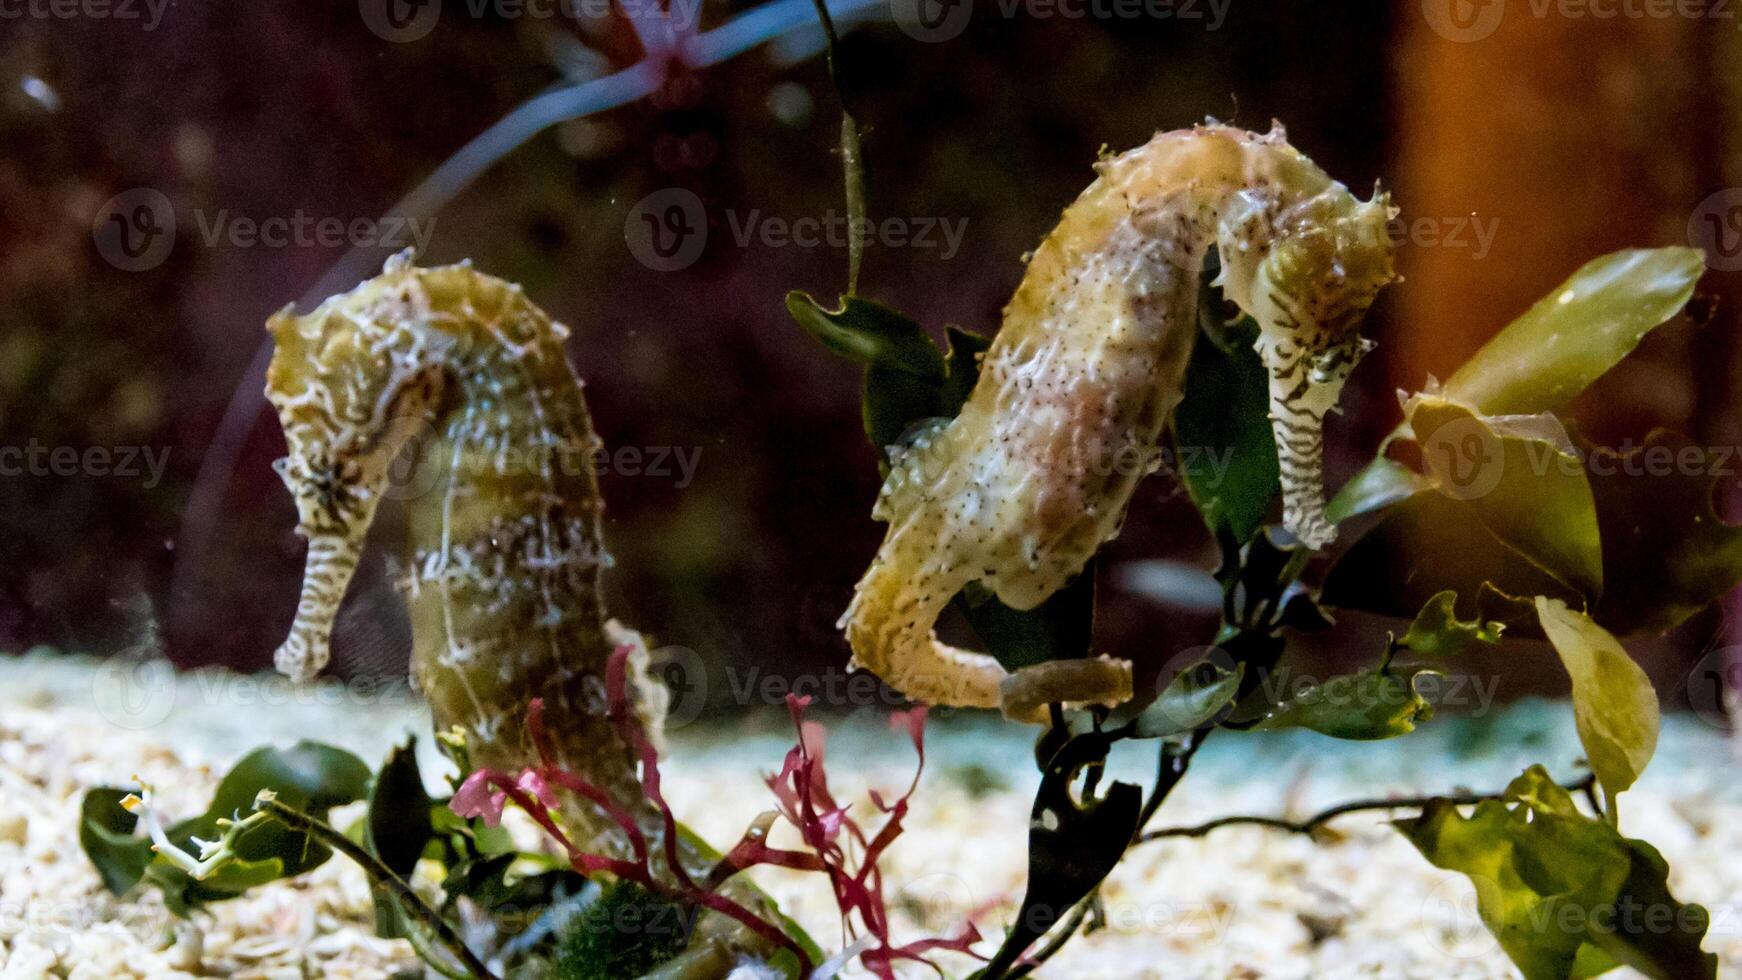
{"x":251,"y":112}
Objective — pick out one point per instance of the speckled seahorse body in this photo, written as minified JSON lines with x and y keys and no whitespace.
{"x":463,"y":372}
{"x":1035,"y":473}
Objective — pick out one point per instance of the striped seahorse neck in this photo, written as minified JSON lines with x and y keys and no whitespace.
{"x":462,"y":374}
{"x":1035,"y":473}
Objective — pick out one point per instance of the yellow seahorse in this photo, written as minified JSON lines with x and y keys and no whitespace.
{"x":1021,"y":488}
{"x":461,"y":370}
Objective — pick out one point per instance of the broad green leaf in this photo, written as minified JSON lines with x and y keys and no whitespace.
{"x":1522,"y":478}
{"x":1666,"y":555}
{"x":1430,"y":544}
{"x":1380,"y":484}
{"x":1195,"y":697}
{"x":1437,"y":631}
{"x":1546,"y":357}
{"x":398,"y":826}
{"x":1382,"y":703}
{"x":1223,"y":446}
{"x":870,"y":334}
{"x":1564,"y":893}
{"x":1576,"y":333}
{"x":106,"y":834}
{"x":1614,"y":704}
{"x":1662,"y":938}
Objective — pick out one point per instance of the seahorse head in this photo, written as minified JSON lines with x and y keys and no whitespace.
{"x":1307,"y":275}
{"x":352,"y":385}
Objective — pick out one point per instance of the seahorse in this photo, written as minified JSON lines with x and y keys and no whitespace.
{"x":460,"y":372}
{"x":1021,"y":488}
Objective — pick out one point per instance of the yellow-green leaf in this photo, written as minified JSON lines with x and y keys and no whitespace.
{"x":1564,"y":893}
{"x":1577,"y":332}
{"x":1383,"y":703}
{"x":1437,"y":630}
{"x":1520,"y":476}
{"x":1614,"y":703}
{"x":1546,"y":357}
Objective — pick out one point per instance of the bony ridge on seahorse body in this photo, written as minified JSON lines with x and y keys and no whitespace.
{"x":1021,"y":488}
{"x":462,"y":371}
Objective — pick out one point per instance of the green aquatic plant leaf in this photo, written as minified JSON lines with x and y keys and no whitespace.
{"x":1551,"y":353}
{"x":1576,"y":333}
{"x":1565,"y":894}
{"x":309,"y":776}
{"x":1382,"y":483}
{"x":398,"y":826}
{"x":1377,"y":704}
{"x":1198,"y":696}
{"x":1072,"y":844}
{"x":1522,"y":478}
{"x":106,"y":834}
{"x":1223,"y":445}
{"x":1429,"y":544}
{"x":1614,"y":704}
{"x":869,"y":333}
{"x":1437,"y":630}
{"x":1665,"y":552}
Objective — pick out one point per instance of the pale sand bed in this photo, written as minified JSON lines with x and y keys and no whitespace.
{"x":1244,"y":902}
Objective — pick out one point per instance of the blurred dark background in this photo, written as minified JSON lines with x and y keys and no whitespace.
{"x":1557,"y":137}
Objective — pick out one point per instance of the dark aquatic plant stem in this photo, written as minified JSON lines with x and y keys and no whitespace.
{"x":1318,"y":820}
{"x":382,"y":876}
{"x":852,"y":158}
